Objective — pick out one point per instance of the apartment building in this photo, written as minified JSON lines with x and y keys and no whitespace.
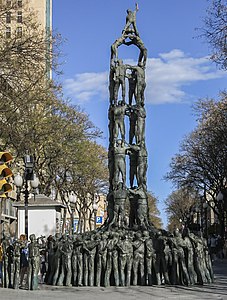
{"x":92,"y":218}
{"x":43,"y":11}
{"x":12,"y":18}
{"x":43,"y":8}
{"x":16,"y":10}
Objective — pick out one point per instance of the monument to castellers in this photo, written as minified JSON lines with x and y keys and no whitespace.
{"x":137,"y":252}
{"x":127,"y":249}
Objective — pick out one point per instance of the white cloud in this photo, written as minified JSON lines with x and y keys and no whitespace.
{"x":166,"y":77}
{"x":87,"y":85}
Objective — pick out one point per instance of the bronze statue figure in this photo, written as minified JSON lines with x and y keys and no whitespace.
{"x":34,"y":263}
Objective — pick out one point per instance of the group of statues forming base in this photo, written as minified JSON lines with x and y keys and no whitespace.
{"x":120,"y":257}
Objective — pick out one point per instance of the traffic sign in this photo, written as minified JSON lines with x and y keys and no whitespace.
{"x":75,"y":223}
{"x":99,"y":220}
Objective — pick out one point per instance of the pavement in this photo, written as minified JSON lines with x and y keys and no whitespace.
{"x":217,"y":290}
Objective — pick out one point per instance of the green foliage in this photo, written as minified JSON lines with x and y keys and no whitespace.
{"x":34,"y":116}
{"x":201,"y":164}
{"x":178,"y":206}
{"x":154,"y":214}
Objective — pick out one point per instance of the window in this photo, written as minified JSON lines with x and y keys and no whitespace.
{"x":8,"y":17}
{"x":19,"y":32}
{"x":8,"y":32}
{"x":19,"y":17}
{"x":19,"y":49}
{"x":8,"y":3}
{"x":19,"y":3}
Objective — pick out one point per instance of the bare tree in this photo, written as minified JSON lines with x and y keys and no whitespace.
{"x":34,"y":115}
{"x":178,"y":207}
{"x":202,"y":162}
{"x":214,"y":31}
{"x":154,"y":213}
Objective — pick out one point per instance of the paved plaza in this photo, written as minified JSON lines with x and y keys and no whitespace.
{"x":217,"y":290}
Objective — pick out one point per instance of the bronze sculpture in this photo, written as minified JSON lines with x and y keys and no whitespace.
{"x":33,"y":263}
{"x":127,"y":249}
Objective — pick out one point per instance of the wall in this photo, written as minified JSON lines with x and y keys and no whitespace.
{"x":42,"y":221}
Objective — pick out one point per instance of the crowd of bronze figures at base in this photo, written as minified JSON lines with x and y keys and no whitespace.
{"x":13,"y":266}
{"x":120,"y":257}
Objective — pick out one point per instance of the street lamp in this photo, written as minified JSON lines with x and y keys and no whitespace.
{"x":95,"y":208}
{"x":205,"y":206}
{"x":29,"y":176}
{"x":34,"y":183}
{"x":72,"y":200}
{"x":219,"y":196}
{"x":198,"y":221}
{"x":192,"y":216}
{"x":220,"y":203}
{"x":187,"y":219}
{"x":181,"y":225}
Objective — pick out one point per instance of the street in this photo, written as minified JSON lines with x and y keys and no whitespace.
{"x":217,"y":290}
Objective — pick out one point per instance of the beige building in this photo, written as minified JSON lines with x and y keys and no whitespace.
{"x":87,"y":219}
{"x":43,"y":8}
{"x":17,"y":8}
{"x":43,"y":11}
{"x":16,"y":11}
{"x":11,"y":22}
{"x":44,"y":216}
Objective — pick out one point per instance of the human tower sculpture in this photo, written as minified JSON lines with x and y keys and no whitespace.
{"x":128,"y":104}
{"x":128,"y":249}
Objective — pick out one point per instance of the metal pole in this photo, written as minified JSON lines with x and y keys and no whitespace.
{"x":1,"y":224}
{"x":95,"y":214}
{"x":197,"y":221}
{"x":223,"y":222}
{"x":72,"y":220}
{"x":26,"y":194}
{"x":16,"y":225}
{"x":206,"y":223}
{"x":18,"y":199}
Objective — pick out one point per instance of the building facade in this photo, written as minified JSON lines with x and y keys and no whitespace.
{"x":43,"y":9}
{"x":12,"y":19}
{"x":80,"y":220}
{"x":15,"y":14}
{"x":16,"y":9}
{"x":44,"y":216}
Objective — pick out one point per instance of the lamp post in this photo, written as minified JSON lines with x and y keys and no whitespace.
{"x":205,"y":206}
{"x":95,"y":208}
{"x":197,"y":217}
{"x":181,"y":225}
{"x":187,"y":219}
{"x":29,"y":176}
{"x":192,"y":217}
{"x":72,"y":200}
{"x":221,"y":210}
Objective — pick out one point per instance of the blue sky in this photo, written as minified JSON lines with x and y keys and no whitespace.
{"x":178,"y":69}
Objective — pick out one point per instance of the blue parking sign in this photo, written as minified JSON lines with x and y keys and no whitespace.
{"x":75,"y":224}
{"x":98,"y":220}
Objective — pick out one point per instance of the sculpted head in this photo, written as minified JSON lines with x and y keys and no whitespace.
{"x":120,"y":62}
{"x":119,"y":142}
{"x":32,"y":237}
